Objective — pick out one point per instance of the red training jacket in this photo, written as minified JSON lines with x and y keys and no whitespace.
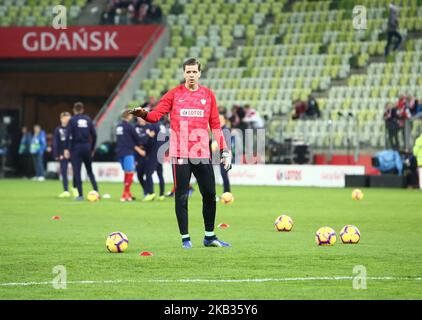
{"x":192,"y":113}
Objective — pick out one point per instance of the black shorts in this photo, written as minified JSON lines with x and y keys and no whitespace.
{"x":203,"y":171}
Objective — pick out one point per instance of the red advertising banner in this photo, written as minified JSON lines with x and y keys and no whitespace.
{"x":76,"y":41}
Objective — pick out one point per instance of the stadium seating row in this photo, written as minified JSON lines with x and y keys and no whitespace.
{"x":375,"y":91}
{"x":334,"y":71}
{"x":273,"y":83}
{"x":310,"y":60}
{"x":36,"y":12}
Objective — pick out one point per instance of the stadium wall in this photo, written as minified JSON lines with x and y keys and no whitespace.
{"x":269,"y":175}
{"x":341,"y":159}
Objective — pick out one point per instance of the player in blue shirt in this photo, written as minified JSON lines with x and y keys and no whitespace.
{"x":80,"y":146}
{"x":146,"y":133}
{"x":59,"y":140}
{"x":152,"y":163}
{"x":127,"y":143}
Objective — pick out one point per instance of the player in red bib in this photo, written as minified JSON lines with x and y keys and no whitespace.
{"x":193,"y":110}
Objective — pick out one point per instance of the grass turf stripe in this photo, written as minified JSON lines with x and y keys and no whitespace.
{"x":339,"y":278}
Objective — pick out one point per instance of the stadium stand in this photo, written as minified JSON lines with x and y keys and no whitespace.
{"x":36,"y":12}
{"x":270,"y":53}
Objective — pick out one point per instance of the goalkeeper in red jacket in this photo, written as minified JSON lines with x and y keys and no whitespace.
{"x":192,"y":109}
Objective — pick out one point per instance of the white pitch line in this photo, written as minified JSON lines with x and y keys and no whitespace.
{"x":339,"y":278}
{"x":11,"y":284}
{"x":286,"y":279}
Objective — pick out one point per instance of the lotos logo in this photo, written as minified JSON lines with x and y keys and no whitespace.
{"x":289,"y":175}
{"x":198,"y":113}
{"x":295,"y":175}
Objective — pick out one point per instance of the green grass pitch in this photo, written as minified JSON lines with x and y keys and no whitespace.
{"x":261,"y":264}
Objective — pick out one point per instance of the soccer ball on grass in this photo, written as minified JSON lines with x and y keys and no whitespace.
{"x":357,"y":194}
{"x":325,"y":236}
{"x":350,"y":234}
{"x":117,"y":242}
{"x":283,"y":223}
{"x":227,"y":198}
{"x":93,"y":196}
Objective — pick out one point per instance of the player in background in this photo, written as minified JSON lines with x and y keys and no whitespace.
{"x":192,"y":109}
{"x":154,"y":163}
{"x":214,"y":148}
{"x":59,"y":141}
{"x":37,"y":149}
{"x":127,"y":144}
{"x":159,"y":158}
{"x":145,"y":133}
{"x":80,"y":147}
